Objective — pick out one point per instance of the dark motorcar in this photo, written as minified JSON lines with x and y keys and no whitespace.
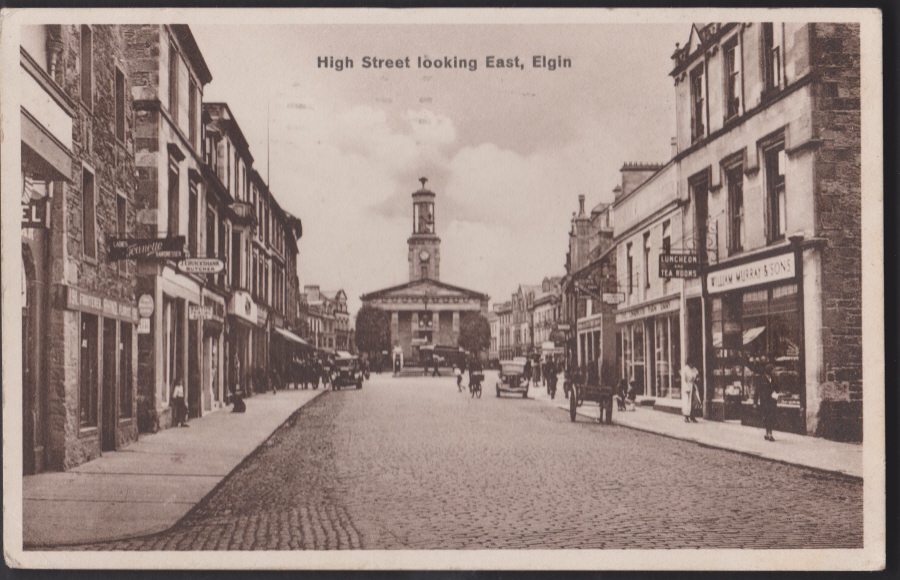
{"x":347,"y":371}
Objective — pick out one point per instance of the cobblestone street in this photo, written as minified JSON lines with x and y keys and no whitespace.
{"x":413,"y":464}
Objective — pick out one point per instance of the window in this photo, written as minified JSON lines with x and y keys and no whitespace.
{"x":87,"y":66}
{"x":697,"y":110}
{"x":193,"y":219}
{"x":776,"y":220}
{"x":735,"y":177}
{"x":647,"y":260}
{"x":126,"y":379}
{"x":235,"y":260}
{"x":629,"y":265}
{"x":173,"y":200}
{"x":120,"y":104}
{"x":700,"y":192}
{"x":173,"y":83}
{"x":193,"y":130}
{"x":88,"y":218}
{"x":210,"y":233}
{"x":121,"y":224}
{"x":88,"y":386}
{"x":732,"y":80}
{"x":771,"y":56}
{"x":667,"y":237}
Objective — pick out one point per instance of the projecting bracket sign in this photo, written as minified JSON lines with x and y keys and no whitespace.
{"x":146,"y":249}
{"x":679,"y":266}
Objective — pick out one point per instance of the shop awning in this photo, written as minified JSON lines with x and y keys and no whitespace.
{"x":291,"y":336}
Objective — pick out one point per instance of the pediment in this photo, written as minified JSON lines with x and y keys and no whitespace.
{"x":425,"y":289}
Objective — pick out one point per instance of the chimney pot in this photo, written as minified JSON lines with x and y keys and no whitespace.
{"x":581,"y":203}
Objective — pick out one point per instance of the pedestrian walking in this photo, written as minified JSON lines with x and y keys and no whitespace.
{"x":458,"y":372}
{"x":179,"y":406}
{"x":766,"y":399}
{"x":526,"y":372}
{"x":690,"y":398}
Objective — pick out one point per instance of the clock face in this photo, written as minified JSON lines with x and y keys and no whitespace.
{"x":423,"y":255}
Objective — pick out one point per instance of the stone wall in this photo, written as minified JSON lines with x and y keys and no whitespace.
{"x":835,"y":53}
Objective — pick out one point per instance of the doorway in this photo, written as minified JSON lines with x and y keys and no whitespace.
{"x":194,"y":388}
{"x":108,"y":403}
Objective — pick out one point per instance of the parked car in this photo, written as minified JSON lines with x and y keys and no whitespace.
{"x":512,"y":377}
{"x":347,"y":371}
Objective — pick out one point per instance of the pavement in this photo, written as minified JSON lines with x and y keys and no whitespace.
{"x":800,"y":450}
{"x":150,"y":485}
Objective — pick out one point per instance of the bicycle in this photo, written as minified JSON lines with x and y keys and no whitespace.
{"x":475,"y":388}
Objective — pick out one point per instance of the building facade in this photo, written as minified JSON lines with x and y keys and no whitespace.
{"x":504,"y":330}
{"x":79,"y":339}
{"x":425,"y":311}
{"x":768,"y":160}
{"x":650,"y":317}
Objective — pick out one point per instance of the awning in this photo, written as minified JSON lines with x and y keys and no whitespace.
{"x":291,"y":336}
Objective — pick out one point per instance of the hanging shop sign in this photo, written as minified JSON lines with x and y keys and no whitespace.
{"x":145,"y":306}
{"x":143,"y":249}
{"x":679,"y":266}
{"x":754,"y":273}
{"x":201,"y":266}
{"x":200,"y":312}
{"x":34,"y":213}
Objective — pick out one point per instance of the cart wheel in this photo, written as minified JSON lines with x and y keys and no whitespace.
{"x":573,"y":404}
{"x":478,"y":392}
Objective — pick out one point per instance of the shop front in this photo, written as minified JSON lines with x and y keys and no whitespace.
{"x":651,"y":348}
{"x":242,"y":318}
{"x":756,"y":318}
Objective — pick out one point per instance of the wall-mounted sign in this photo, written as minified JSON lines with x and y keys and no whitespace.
{"x":145,"y":306}
{"x":644,"y":310}
{"x":613,"y":297}
{"x":143,"y":326}
{"x":201,"y":265}
{"x":759,"y":272}
{"x":171,"y":248}
{"x":34,"y":213}
{"x":679,"y":266}
{"x":76,"y":299}
{"x":200,"y":312}
{"x":147,"y":217}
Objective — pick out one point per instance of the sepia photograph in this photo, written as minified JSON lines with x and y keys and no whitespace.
{"x":433,"y":289}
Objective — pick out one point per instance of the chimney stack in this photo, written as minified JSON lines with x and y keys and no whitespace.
{"x":581,"y":204}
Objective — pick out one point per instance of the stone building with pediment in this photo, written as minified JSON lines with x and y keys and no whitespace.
{"x":425,"y":311}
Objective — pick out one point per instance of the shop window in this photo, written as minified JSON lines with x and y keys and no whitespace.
{"x":126,"y":377}
{"x":120,"y":104}
{"x":87,"y":66}
{"x":637,"y":371}
{"x":732,"y":80}
{"x":88,"y":385}
{"x":698,"y":129}
{"x":736,"y":232}
{"x":662,"y":366}
{"x":88,"y":216}
{"x":776,"y":219}
{"x":173,"y":196}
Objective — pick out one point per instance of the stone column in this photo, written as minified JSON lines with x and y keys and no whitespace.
{"x":456,"y":321}
{"x":395,"y":325}
{"x":814,"y":337}
{"x":436,"y":323}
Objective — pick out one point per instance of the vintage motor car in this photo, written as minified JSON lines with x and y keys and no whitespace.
{"x":512,"y":377}
{"x":347,"y":371}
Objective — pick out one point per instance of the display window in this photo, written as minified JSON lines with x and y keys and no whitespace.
{"x":749,"y":330}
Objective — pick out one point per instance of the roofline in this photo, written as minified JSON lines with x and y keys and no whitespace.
{"x":245,"y":145}
{"x":373,"y":294}
{"x":189,"y":43}
{"x":634,"y":191}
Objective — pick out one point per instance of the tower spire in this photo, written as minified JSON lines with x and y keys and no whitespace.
{"x":424,"y":180}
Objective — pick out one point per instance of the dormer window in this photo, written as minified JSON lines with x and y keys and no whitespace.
{"x":698,"y":129}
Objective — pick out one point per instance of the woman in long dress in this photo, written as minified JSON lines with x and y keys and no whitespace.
{"x":688,"y":392}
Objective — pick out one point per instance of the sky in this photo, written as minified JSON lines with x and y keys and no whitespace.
{"x":507,"y":150}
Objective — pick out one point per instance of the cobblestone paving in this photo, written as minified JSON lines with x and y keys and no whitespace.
{"x":412,"y":463}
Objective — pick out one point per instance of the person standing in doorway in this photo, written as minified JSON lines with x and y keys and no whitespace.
{"x":180,"y":409}
{"x":766,"y":400}
{"x":689,"y":394}
{"x":236,"y":380}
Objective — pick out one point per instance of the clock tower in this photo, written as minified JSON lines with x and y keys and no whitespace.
{"x":424,"y":245}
